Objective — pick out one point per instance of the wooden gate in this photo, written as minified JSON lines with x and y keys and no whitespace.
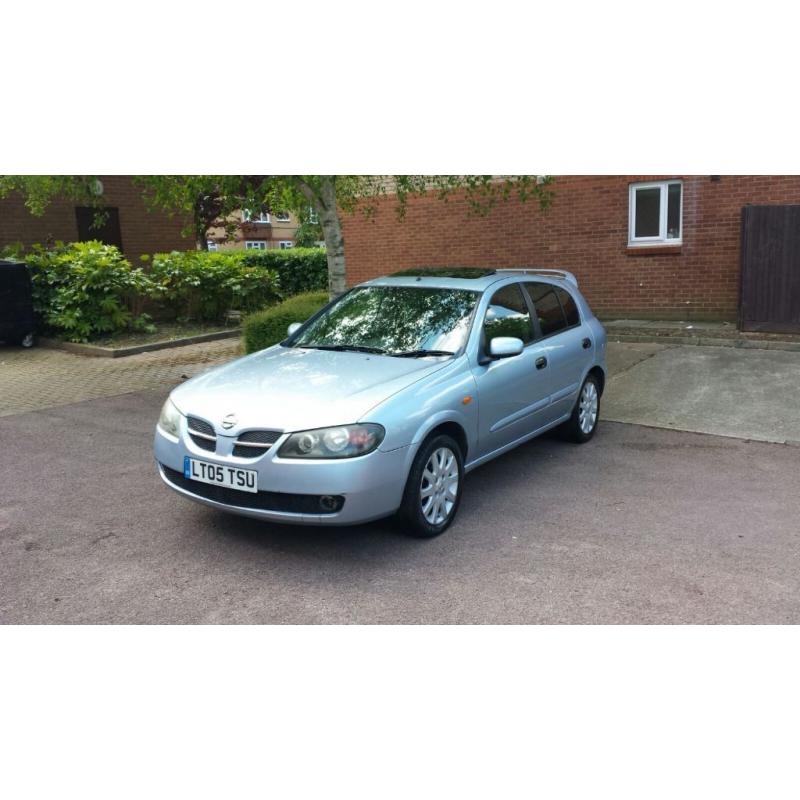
{"x":770,"y":292}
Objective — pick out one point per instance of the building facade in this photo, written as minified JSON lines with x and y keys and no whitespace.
{"x":644,"y":246}
{"x":257,"y":231}
{"x":129,"y":224}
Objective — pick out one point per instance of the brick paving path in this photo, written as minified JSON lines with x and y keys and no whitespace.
{"x":44,"y":378}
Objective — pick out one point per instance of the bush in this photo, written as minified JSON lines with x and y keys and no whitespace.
{"x":300,"y":269}
{"x":205,"y":286}
{"x":85,"y":289}
{"x":266,"y":328}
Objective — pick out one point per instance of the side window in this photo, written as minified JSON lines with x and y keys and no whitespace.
{"x":548,"y":309}
{"x":569,"y":306}
{"x":508,"y":315}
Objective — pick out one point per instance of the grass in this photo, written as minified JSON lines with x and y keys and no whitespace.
{"x":165,"y":332}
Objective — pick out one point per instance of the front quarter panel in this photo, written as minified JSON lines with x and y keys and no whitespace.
{"x":448,"y":396}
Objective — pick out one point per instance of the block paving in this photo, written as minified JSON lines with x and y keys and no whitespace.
{"x":44,"y":378}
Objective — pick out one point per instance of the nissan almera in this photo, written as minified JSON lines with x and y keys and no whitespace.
{"x":384,"y":400}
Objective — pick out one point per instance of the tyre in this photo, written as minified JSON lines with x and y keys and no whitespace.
{"x":580,"y":427}
{"x":433,"y":490}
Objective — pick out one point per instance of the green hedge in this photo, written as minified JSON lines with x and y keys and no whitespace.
{"x":205,"y":286}
{"x":299,"y":269}
{"x":85,"y":289}
{"x":265,"y":328}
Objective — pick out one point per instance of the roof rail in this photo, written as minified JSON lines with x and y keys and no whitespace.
{"x":552,"y":273}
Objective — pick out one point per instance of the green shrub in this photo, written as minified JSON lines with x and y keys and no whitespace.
{"x":205,"y":286}
{"x":300,"y":269}
{"x":265,"y":328}
{"x":85,"y":289}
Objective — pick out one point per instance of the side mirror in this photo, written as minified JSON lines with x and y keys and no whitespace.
{"x":505,"y":347}
{"x":294,"y":327}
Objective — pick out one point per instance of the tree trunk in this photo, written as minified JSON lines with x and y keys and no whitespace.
{"x":323,"y":200}
{"x":334,"y":239}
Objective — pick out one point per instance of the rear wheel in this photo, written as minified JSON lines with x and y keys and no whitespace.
{"x":580,"y":427}
{"x":434,"y":486}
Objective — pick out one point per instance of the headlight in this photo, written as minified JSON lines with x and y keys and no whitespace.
{"x":170,"y":418}
{"x":343,"y":441}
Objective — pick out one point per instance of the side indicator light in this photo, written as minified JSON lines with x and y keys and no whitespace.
{"x":467,"y":400}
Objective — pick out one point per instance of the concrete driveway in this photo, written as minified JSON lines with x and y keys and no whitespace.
{"x":748,"y":394}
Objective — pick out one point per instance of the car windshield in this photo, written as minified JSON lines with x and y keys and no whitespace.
{"x":396,"y":320}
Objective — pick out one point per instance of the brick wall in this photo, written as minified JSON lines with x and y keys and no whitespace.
{"x":586,"y":232}
{"x":142,"y":231}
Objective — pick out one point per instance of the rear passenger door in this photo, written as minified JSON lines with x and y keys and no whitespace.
{"x":566,"y":340}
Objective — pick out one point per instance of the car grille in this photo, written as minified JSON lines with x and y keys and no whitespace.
{"x":262,"y":501}
{"x":202,"y":434}
{"x":252,"y":444}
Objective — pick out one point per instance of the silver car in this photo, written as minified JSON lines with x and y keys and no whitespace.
{"x":381,"y":402}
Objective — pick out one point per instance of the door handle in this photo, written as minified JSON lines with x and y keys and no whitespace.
{"x":541,"y":363}
{"x":587,"y":343}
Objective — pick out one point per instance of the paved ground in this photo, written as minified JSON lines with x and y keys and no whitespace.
{"x":641,"y":525}
{"x":45,"y":378}
{"x":750,"y":394}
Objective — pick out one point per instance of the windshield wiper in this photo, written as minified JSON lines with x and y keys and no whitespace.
{"x":343,"y":348}
{"x":421,"y":353}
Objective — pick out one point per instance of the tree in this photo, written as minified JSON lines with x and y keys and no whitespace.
{"x":309,"y":232}
{"x":207,"y":201}
{"x":39,"y":190}
{"x":210,"y":200}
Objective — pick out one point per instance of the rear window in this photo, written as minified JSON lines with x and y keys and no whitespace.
{"x":569,"y":306}
{"x":548,"y":308}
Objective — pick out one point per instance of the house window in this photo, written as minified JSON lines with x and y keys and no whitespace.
{"x":249,"y":216}
{"x":282,"y":216}
{"x":211,"y":246}
{"x":255,"y":245}
{"x":285,"y":245}
{"x":655,"y":213}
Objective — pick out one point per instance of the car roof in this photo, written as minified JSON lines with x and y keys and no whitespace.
{"x":472,"y":278}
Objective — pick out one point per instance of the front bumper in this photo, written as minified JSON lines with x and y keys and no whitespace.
{"x":372,"y":485}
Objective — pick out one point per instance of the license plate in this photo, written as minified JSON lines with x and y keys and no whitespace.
{"x":245,"y":480}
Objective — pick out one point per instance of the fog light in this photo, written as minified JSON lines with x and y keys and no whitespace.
{"x":330,"y":503}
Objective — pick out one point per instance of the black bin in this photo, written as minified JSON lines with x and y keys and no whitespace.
{"x":17,"y":323}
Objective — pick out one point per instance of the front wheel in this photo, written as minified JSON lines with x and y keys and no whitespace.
{"x":434,"y":486}
{"x":580,"y":427}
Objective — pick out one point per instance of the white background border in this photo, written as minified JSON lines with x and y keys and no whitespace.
{"x":418,"y":87}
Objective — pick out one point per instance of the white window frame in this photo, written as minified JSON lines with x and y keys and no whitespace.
{"x":211,"y":245}
{"x":255,"y":244}
{"x":285,"y":244}
{"x":660,"y":240}
{"x":283,"y":216}
{"x":247,"y":216}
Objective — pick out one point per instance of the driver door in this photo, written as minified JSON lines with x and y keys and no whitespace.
{"x":513,"y":393}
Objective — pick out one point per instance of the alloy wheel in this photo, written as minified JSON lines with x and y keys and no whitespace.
{"x":438,"y":490}
{"x":587,"y":408}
